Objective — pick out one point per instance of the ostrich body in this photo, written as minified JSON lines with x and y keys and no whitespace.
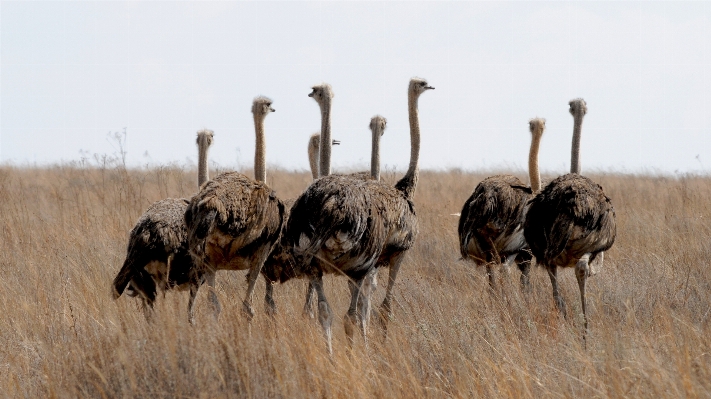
{"x":571,"y":221}
{"x":313,"y":154}
{"x":281,"y":256}
{"x":491,"y":222}
{"x":234,"y":222}
{"x":157,"y":256}
{"x":377,"y":128}
{"x":349,"y":226}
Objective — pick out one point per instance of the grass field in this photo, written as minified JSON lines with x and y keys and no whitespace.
{"x":64,"y":233}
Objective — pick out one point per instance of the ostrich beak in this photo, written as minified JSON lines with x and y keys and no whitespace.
{"x":272,"y":109}
{"x":335,"y":142}
{"x":429,"y":88}
{"x":311,"y":94}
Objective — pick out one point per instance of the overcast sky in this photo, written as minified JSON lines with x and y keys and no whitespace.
{"x":71,"y":72}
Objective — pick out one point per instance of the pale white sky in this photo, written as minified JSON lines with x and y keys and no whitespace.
{"x":70,"y":72}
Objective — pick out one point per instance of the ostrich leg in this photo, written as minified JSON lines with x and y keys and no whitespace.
{"x":325,"y":316}
{"x":581,"y":272}
{"x":553,"y":274}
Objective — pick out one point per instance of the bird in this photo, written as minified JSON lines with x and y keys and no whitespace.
{"x":377,"y":127}
{"x":323,"y":94}
{"x":157,"y":256}
{"x":234,"y":222}
{"x":313,"y":152}
{"x":491,"y":221}
{"x":571,"y":222}
{"x":348,"y":226}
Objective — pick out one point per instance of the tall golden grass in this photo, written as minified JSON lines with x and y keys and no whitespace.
{"x":64,"y":232}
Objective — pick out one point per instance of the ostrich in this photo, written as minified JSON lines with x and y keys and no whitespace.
{"x":234,"y":222}
{"x":157,"y":256}
{"x":313,"y":153}
{"x":312,"y":149}
{"x":377,"y":128}
{"x":491,"y":221}
{"x":349,"y":226}
{"x":571,"y":221}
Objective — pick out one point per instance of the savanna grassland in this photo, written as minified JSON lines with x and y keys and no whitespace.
{"x":64,"y":235}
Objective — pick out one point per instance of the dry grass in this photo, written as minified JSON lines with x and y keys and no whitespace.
{"x":64,"y":232}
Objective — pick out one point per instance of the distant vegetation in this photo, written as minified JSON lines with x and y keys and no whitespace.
{"x":64,"y":235}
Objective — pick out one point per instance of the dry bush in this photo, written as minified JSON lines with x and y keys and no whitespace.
{"x":64,"y":232}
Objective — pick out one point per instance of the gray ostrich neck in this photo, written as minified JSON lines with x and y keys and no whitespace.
{"x":313,"y":160}
{"x":260,"y":161}
{"x":533,"y":173}
{"x":408,"y":183}
{"x":375,"y":155}
{"x":203,"y":173}
{"x":575,"y":151}
{"x":325,"y":146}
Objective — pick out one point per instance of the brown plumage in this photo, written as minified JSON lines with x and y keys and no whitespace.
{"x":157,"y":256}
{"x":348,"y":226}
{"x":570,"y":222}
{"x":572,"y":216}
{"x":377,"y":127}
{"x":234,"y":222}
{"x":268,"y":270}
{"x":491,"y":222}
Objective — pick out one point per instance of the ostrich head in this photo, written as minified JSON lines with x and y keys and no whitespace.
{"x":418,"y":86}
{"x":378,"y":123}
{"x":321,"y":93}
{"x":578,"y":107}
{"x":536,"y":126}
{"x":261,"y":106}
{"x":204,"y":137}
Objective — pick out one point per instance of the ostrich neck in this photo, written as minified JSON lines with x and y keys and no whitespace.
{"x":325,"y":146}
{"x":575,"y":151}
{"x":375,"y":155}
{"x":533,"y":173}
{"x":409,"y":182}
{"x":260,"y":161}
{"x":313,"y":160}
{"x":203,"y":173}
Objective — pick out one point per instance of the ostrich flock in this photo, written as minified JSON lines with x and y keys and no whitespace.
{"x":352,"y":225}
